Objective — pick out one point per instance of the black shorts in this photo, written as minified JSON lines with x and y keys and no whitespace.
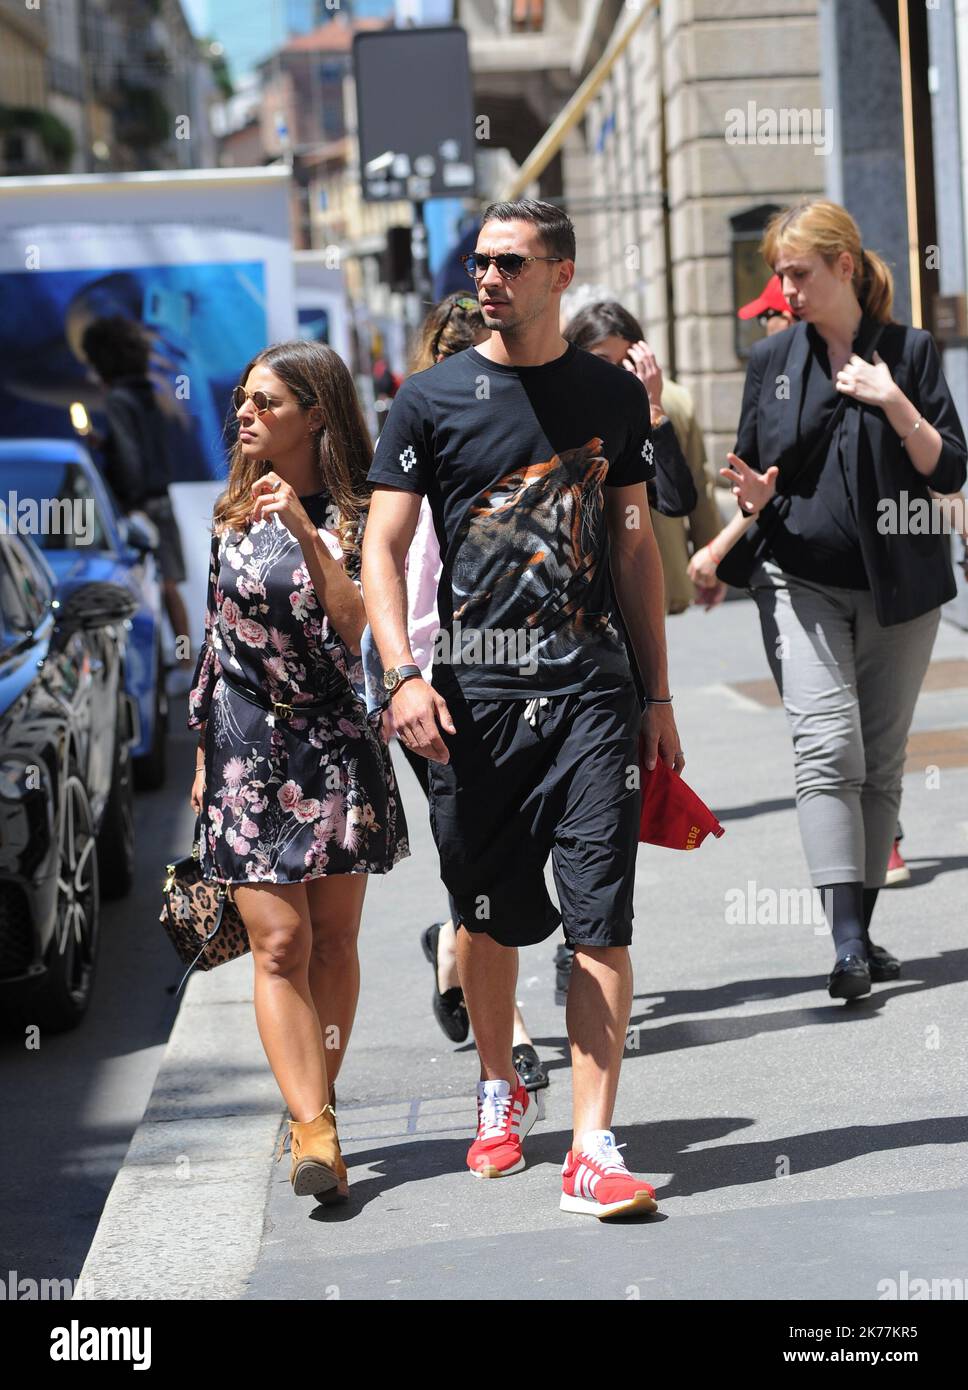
{"x":563,"y":782}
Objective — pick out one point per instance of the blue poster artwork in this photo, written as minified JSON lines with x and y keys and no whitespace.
{"x":204,"y":323}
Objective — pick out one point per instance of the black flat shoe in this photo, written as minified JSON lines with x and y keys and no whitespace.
{"x":528,"y":1066}
{"x":564,"y":956}
{"x":883,"y":966}
{"x":849,"y":978}
{"x":449,"y":1008}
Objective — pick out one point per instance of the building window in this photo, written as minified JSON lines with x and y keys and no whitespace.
{"x":750,"y":271}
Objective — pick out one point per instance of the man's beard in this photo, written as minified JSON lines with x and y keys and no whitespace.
{"x":511,"y":326}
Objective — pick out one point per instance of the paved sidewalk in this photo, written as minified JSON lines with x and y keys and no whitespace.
{"x":801,"y":1148}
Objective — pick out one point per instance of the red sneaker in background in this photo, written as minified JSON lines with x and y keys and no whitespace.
{"x":897,"y":870}
{"x":504,"y":1117}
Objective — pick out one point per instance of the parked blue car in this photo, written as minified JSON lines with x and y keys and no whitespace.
{"x":90,"y":542}
{"x":67,"y":725}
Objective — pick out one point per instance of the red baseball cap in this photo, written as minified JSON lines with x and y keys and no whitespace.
{"x":671,"y":814}
{"x":771,"y":298}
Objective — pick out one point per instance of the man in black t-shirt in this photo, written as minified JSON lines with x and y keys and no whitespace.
{"x":533,"y":455}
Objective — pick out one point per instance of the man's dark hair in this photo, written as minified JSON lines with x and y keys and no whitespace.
{"x":115,"y":347}
{"x":601,"y":319}
{"x":554,"y":225}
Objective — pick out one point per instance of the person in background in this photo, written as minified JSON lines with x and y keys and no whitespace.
{"x":857,"y":609}
{"x":451,"y":326}
{"x":606,"y":329}
{"x":772,"y":308}
{"x":774,"y":313}
{"x":135,"y":460}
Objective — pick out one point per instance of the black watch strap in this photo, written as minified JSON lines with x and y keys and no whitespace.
{"x":402,"y":673}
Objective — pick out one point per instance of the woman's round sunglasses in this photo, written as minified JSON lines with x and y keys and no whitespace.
{"x":509,"y":263}
{"x":259,"y":399}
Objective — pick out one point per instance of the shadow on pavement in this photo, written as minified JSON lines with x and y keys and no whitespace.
{"x":667,"y":1146}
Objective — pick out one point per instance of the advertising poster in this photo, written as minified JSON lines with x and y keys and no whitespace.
{"x":201,"y":259}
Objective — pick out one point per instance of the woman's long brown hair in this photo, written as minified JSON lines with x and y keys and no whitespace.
{"x":315,"y":375}
{"x":451,"y":326}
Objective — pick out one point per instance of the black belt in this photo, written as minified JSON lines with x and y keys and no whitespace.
{"x":337,"y":691}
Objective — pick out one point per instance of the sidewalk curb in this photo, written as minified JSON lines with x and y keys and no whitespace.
{"x":184,"y":1217}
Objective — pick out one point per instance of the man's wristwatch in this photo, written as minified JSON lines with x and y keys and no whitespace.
{"x":397,"y":675}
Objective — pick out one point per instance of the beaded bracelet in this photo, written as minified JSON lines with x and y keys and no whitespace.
{"x":913,"y":430}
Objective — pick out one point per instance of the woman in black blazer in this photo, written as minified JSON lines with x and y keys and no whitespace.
{"x":848,"y":418}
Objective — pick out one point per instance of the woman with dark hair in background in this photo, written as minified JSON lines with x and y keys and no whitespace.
{"x":293,"y":781}
{"x":451,"y":326}
{"x":607,"y":329}
{"x":849,"y":608}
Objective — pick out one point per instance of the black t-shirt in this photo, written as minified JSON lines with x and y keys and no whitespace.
{"x":514,"y":462}
{"x":819,"y":540}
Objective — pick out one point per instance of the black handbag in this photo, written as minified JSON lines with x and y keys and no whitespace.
{"x":737,"y":565}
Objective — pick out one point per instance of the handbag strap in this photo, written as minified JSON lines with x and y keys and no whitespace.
{"x":218,"y":922}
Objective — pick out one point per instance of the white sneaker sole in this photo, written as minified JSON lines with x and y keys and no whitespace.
{"x":640,"y":1204}
{"x":528,"y":1119}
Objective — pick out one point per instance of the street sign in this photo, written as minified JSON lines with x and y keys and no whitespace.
{"x":415,"y":119}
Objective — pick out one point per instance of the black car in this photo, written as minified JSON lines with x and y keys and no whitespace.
{"x":67,"y":727}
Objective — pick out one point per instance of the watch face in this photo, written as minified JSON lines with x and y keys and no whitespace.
{"x":390,"y":679}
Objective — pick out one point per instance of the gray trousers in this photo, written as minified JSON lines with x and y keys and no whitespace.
{"x":849,"y":687}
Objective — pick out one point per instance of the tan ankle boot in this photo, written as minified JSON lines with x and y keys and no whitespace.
{"x":317,"y":1165}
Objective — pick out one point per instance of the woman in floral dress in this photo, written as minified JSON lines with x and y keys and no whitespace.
{"x":294,"y":786}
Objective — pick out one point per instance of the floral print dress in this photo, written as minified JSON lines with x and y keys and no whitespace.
{"x":287,"y":799}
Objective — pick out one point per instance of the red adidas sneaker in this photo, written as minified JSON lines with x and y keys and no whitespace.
{"x":897,"y":870}
{"x":596,"y":1181}
{"x":504,"y":1117}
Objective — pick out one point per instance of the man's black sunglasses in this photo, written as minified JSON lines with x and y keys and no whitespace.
{"x":509,"y":263}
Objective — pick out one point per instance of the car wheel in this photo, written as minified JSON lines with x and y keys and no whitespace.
{"x":115,"y":845}
{"x":61,"y":1001}
{"x":151,"y":770}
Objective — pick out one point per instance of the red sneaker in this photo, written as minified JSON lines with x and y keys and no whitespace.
{"x":596,"y":1181}
{"x":503,"y":1119}
{"x":897,"y":870}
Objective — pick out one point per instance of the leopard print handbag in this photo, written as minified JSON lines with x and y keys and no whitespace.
{"x":200,"y":917}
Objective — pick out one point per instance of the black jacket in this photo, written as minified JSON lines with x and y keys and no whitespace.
{"x":135,"y":453}
{"x":908,"y":574}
